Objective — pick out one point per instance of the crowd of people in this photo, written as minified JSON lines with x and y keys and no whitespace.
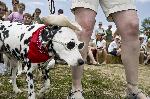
{"x":107,"y":42}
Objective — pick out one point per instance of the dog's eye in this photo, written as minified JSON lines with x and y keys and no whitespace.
{"x":81,"y":45}
{"x":70,"y":45}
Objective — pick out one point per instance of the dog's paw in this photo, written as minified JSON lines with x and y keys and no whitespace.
{"x":75,"y":95}
{"x":17,"y":90}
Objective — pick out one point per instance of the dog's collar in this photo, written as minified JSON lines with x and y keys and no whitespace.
{"x":37,"y":53}
{"x":41,"y":43}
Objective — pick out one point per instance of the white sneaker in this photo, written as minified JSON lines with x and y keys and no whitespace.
{"x":138,"y":95}
{"x":75,"y":95}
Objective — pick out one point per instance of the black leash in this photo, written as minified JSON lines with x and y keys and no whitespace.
{"x":51,"y":6}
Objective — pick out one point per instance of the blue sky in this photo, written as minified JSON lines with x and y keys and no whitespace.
{"x":143,"y":7}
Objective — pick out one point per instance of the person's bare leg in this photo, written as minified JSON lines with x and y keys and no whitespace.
{"x":86,"y":19}
{"x":90,"y":54}
{"x":141,"y":57}
{"x":127,"y":23}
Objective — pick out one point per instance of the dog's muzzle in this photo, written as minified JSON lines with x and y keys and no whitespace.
{"x":80,"y":62}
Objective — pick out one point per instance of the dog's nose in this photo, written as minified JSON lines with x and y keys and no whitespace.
{"x":80,"y":61}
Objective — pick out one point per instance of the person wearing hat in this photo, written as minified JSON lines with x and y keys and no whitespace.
{"x":142,"y":48}
{"x":109,"y":36}
{"x":100,"y":30}
{"x":114,"y":47}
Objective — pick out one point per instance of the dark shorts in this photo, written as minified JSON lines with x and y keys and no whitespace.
{"x":113,"y":52}
{"x":94,"y":51}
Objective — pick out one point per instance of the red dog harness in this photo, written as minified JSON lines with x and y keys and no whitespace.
{"x":37,"y":53}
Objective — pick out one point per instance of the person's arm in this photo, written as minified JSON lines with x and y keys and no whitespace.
{"x":104,"y":32}
{"x":96,"y":32}
{"x":104,"y":45}
{"x":110,"y":47}
{"x":10,"y":17}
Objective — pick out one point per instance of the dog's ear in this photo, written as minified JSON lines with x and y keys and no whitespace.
{"x":48,"y":45}
{"x":53,"y":30}
{"x":55,"y":27}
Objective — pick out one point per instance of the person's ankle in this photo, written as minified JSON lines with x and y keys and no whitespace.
{"x":76,"y":88}
{"x":132,"y":88}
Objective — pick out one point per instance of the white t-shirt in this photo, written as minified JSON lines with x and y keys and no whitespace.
{"x":100,"y":44}
{"x":143,"y":46}
{"x":112,"y":46}
{"x":145,"y":39}
{"x":100,"y":31}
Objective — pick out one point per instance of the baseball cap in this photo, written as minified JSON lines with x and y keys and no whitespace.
{"x":117,"y":37}
{"x":141,"y":36}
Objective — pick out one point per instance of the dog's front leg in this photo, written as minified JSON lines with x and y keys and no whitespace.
{"x":46,"y":78}
{"x":31,"y":93}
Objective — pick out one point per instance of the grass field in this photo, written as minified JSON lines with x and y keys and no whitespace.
{"x":99,"y":82}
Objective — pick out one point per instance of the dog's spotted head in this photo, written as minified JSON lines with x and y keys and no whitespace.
{"x":65,"y":43}
{"x":67,"y":46}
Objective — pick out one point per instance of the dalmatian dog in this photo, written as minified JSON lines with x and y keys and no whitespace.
{"x":34,"y":45}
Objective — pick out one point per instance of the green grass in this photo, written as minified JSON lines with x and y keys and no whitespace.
{"x":99,"y":82}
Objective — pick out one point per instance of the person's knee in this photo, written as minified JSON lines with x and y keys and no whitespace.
{"x":130,"y":31}
{"x":88,"y":29}
{"x":87,"y":26}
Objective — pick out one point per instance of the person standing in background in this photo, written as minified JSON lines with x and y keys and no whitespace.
{"x":100,"y":29}
{"x":109,"y":36}
{"x":17,"y":16}
{"x":36,"y":16}
{"x":15,"y":4}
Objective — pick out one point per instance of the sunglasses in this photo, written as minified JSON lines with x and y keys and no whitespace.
{"x":37,"y":12}
{"x":1,"y":9}
{"x":71,"y":45}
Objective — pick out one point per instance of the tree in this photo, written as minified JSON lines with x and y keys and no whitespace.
{"x":146,"y":24}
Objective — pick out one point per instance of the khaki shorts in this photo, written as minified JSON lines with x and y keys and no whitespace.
{"x":108,"y":6}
